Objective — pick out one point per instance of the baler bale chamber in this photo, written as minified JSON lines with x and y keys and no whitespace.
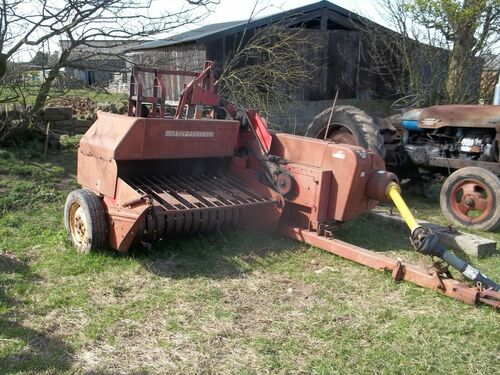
{"x":147,"y":176}
{"x":164,"y":177}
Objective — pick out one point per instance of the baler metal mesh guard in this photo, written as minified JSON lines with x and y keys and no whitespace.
{"x":147,"y":177}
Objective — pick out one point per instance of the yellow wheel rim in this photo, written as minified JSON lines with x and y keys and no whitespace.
{"x":78,"y":225}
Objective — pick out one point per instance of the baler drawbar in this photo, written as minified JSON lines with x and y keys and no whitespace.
{"x":149,"y":176}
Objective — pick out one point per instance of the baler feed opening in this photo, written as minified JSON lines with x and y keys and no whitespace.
{"x":187,"y":204}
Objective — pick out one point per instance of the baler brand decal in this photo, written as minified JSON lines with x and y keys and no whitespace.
{"x":338,"y":155}
{"x":189,"y":133}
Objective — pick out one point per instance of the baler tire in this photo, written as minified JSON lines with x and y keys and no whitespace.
{"x":85,"y":206}
{"x":361,"y":126}
{"x":478,"y":182}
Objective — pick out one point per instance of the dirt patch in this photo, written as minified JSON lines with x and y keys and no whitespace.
{"x":205,"y":330}
{"x":65,"y":184}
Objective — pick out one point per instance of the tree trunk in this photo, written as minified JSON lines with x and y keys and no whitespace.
{"x":462,"y":84}
{"x":460,"y":81}
{"x":3,"y":64}
{"x":42,"y":95}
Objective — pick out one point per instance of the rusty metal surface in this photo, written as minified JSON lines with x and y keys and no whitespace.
{"x":157,"y":100}
{"x":350,"y":168}
{"x":105,"y":134}
{"x":470,"y":116}
{"x":127,"y":138}
{"x":461,"y":163}
{"x":99,"y":175}
{"x":427,"y":278}
{"x":260,"y":126}
{"x":124,"y":222}
{"x":200,"y":91}
{"x":115,"y":137}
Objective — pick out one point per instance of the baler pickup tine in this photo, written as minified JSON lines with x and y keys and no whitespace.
{"x":207,"y":194}
{"x":181,"y":191}
{"x":220,"y":190}
{"x":235,"y":183}
{"x":171,"y":193}
{"x":190,"y":188}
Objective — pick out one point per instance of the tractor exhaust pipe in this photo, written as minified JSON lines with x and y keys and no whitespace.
{"x":496,"y":97}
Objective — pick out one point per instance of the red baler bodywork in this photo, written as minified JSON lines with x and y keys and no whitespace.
{"x":328,"y":179}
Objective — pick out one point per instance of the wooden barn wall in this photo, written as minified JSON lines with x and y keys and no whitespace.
{"x":187,"y":57}
{"x":336,"y":54}
{"x":340,"y":57}
{"x":222,"y":49}
{"x":343,"y":64}
{"x":317,"y":49}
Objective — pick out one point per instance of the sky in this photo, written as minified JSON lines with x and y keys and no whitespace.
{"x":236,"y":10}
{"x":233,"y":10}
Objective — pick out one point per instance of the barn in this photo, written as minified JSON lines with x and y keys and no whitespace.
{"x":339,"y":33}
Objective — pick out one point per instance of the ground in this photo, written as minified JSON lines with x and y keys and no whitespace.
{"x":242,"y":303}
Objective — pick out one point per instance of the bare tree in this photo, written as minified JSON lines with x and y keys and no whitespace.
{"x":399,"y":59}
{"x":80,"y":22}
{"x":269,"y":68}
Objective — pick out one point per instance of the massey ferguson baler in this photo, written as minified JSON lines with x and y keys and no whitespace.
{"x":147,"y":176}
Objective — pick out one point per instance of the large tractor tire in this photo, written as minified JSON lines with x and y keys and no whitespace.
{"x":85,"y":220}
{"x":470,"y":197}
{"x":348,"y":125}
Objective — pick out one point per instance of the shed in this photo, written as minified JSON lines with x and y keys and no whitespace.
{"x":335,"y":29}
{"x":98,"y":62}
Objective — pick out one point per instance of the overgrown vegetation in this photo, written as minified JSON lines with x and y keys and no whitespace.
{"x":248,"y":304}
{"x":16,"y":128}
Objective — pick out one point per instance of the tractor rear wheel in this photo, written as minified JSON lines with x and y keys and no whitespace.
{"x":470,"y":197}
{"x":348,"y":125}
{"x":85,"y":220}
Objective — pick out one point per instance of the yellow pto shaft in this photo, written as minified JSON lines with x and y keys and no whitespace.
{"x":393,"y":191}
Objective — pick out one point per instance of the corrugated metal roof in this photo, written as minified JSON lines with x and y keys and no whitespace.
{"x":233,"y":27}
{"x":190,"y":36}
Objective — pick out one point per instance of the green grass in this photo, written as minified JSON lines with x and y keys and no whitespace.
{"x":245,"y":304}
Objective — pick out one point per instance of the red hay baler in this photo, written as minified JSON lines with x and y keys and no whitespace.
{"x":147,"y":176}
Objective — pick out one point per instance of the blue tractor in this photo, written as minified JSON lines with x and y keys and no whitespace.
{"x":457,"y":141}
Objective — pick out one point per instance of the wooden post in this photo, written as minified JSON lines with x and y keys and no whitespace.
{"x":46,"y":146}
